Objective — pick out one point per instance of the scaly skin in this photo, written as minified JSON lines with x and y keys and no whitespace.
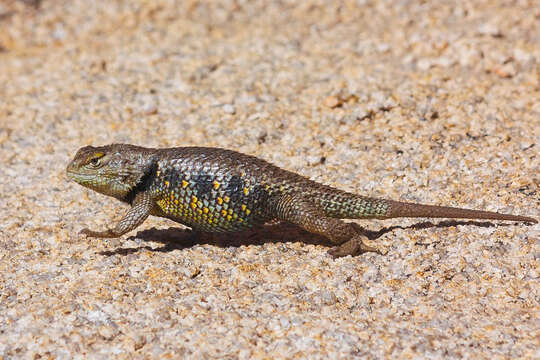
{"x":218,"y":190}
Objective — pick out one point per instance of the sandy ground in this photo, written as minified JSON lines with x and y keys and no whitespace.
{"x":427,"y":101}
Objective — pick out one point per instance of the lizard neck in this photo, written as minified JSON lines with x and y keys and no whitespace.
{"x":141,"y":182}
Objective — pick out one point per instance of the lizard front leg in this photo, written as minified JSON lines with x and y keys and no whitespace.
{"x":139,"y":211}
{"x":302,"y":212}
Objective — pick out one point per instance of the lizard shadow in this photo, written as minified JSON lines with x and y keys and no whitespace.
{"x":372,"y":235}
{"x":178,"y":239}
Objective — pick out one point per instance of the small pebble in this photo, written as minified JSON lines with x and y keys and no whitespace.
{"x":229,"y":109}
{"x":332,"y":101}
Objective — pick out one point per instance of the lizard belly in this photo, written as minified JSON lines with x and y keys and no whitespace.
{"x":207,"y":218}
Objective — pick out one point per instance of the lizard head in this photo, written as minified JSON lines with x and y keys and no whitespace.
{"x":113,"y":170}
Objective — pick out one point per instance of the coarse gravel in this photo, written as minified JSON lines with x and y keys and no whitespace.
{"x":428,"y":101}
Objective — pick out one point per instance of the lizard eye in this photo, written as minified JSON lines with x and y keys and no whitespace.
{"x":95,"y":161}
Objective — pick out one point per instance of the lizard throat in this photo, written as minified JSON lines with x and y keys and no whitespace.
{"x":109,"y":187}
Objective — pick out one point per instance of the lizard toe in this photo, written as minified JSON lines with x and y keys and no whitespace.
{"x":353,"y":247}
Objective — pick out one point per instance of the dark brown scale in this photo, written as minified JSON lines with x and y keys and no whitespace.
{"x":217,"y":190}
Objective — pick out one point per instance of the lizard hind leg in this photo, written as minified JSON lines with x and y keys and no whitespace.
{"x":348,"y":239}
{"x":302,"y":212}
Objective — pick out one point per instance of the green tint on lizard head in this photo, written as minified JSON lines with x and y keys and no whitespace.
{"x":107,"y":169}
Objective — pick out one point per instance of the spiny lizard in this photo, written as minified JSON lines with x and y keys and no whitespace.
{"x":218,"y":190}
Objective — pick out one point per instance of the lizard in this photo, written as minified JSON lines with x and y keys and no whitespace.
{"x":219,"y":190}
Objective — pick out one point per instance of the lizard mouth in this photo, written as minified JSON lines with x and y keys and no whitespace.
{"x":71,"y":175}
{"x":79,"y":177}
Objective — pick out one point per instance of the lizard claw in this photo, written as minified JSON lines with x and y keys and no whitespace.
{"x":353,"y":247}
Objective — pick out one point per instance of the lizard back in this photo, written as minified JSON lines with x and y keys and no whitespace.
{"x":219,"y":190}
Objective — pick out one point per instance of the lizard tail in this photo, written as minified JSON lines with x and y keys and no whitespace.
{"x":345,"y":205}
{"x":403,"y":209}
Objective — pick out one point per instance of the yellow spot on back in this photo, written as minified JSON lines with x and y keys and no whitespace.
{"x":193,"y":198}
{"x":166,"y":183}
{"x":184,"y":183}
{"x":229,"y":217}
{"x":199,"y":211}
{"x":266,"y":187}
{"x":205,"y":210}
{"x":226,"y":199}
{"x":216,"y":184}
{"x":245,"y":190}
{"x":243,"y":207}
{"x":219,"y":200}
{"x":223,"y":212}
{"x":158,"y":172}
{"x":193,"y":205}
{"x":247,"y":211}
